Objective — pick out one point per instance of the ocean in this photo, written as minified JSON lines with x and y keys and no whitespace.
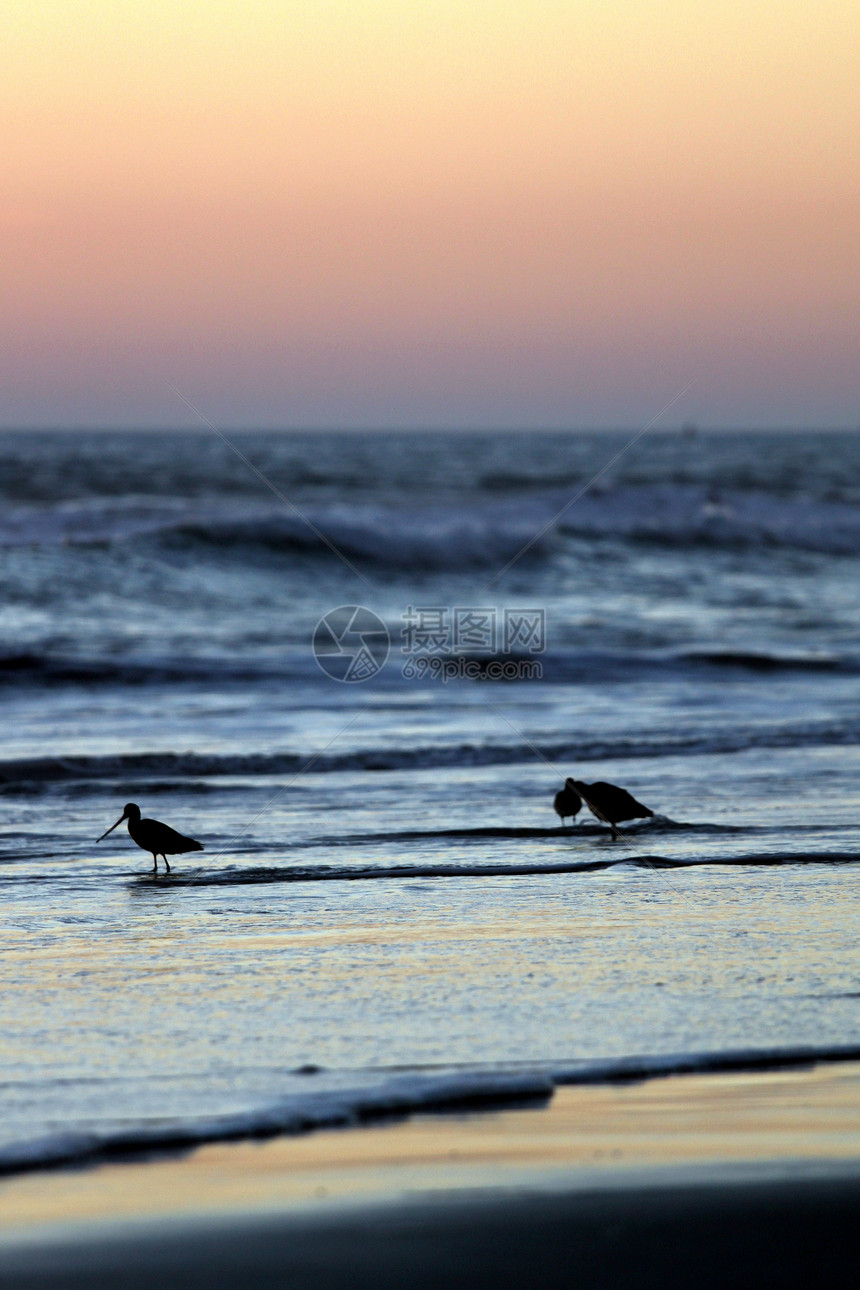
{"x":357,"y":667}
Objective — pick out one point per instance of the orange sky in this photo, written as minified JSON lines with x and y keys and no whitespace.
{"x":445,"y":213}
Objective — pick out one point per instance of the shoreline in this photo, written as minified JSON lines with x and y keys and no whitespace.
{"x":743,"y":1160}
{"x":451,"y":1092}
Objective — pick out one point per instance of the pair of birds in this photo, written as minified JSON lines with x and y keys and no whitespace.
{"x":608,"y":802}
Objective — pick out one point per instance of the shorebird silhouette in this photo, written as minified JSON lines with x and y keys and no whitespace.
{"x":152,"y":835}
{"x":567,"y":801}
{"x":610,"y":803}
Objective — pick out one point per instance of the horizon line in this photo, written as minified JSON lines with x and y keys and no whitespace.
{"x":686,"y":427}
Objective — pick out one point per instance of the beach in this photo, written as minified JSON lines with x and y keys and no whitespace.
{"x":652,"y":1181}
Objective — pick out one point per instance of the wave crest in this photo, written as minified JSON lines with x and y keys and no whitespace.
{"x":474,"y":530}
{"x":472,"y":1089}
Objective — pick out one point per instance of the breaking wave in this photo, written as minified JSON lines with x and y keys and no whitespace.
{"x":276,"y":875}
{"x":395,"y":1098}
{"x":40,"y":668}
{"x":450,"y":534}
{"x":112,"y":768}
{"x":685,"y":515}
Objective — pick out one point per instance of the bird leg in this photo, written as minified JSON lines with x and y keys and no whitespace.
{"x":166,"y":865}
{"x":154,"y":863}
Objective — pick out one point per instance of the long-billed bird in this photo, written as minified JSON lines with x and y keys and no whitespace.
{"x":610,"y":803}
{"x":152,"y":835}
{"x":567,"y":802}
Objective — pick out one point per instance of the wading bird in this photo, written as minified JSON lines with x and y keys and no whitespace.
{"x":567,"y":801}
{"x":610,"y":803}
{"x":152,"y":835}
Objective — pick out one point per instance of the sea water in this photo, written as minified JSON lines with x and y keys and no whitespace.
{"x":387,"y":913}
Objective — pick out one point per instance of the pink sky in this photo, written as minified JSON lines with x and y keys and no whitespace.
{"x":550,"y":214}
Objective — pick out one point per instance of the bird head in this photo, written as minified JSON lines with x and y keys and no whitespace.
{"x":129,"y":812}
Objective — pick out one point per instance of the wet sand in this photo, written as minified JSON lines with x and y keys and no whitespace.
{"x":652,"y":1183}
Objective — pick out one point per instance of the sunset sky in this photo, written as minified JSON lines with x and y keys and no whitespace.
{"x":430,"y":212}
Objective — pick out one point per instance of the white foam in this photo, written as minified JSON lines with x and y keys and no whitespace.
{"x":402,"y":1096}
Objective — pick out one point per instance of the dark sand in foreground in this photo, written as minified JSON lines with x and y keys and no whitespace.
{"x":695,"y":1181}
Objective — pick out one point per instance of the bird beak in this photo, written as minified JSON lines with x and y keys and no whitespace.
{"x":112,"y":827}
